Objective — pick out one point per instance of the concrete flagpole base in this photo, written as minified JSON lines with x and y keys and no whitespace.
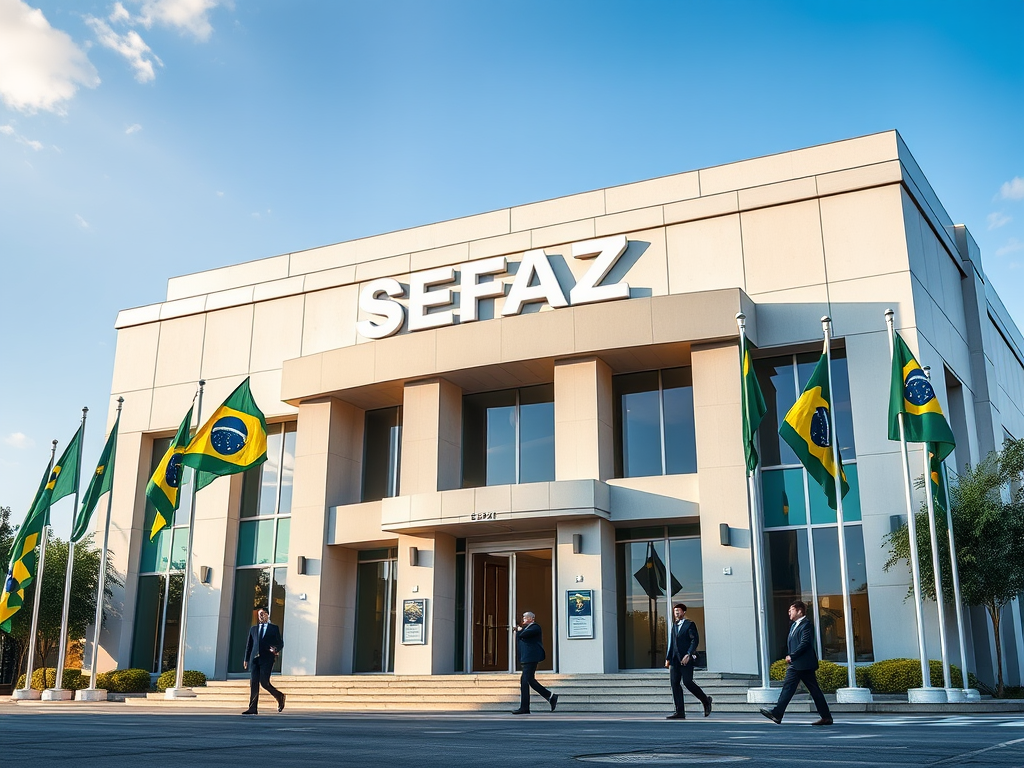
{"x":956,"y":695}
{"x":763,"y":695}
{"x":926,"y":695}
{"x":973,"y":694}
{"x":26,"y":694}
{"x":91,"y":694}
{"x":57,"y":694}
{"x":179,"y":693}
{"x":854,"y":695}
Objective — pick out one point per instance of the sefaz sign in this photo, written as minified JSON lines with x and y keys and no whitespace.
{"x":431,"y":300}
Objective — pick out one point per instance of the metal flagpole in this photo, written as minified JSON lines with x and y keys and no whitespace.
{"x":934,"y":542}
{"x":58,"y":686}
{"x":957,"y":600}
{"x":844,"y":571}
{"x":28,"y":690}
{"x":915,"y":567}
{"x":756,"y":532}
{"x":103,"y":575}
{"x":179,"y":673}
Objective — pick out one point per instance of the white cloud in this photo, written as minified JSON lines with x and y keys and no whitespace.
{"x":119,"y":14}
{"x":130,"y":45}
{"x":1012,"y":246}
{"x":40,"y":67}
{"x":998,"y":219}
{"x":8,"y":130}
{"x":191,"y":16}
{"x":18,"y":440}
{"x":220,"y":194}
{"x":133,"y":128}
{"x":81,"y":222}
{"x":1013,"y":189}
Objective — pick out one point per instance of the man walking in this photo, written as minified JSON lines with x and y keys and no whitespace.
{"x":803,"y":662}
{"x":530,"y":645}
{"x":261,"y":650}
{"x":683,"y":640}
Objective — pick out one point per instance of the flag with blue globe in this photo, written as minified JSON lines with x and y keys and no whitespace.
{"x":232,"y":440}
{"x":912,"y":394}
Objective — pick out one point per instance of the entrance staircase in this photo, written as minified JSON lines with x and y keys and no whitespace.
{"x":637,"y":692}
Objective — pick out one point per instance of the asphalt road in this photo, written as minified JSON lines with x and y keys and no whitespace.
{"x":115,"y":735}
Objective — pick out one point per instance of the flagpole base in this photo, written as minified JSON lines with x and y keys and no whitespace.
{"x":57,"y":694}
{"x":955,"y":695}
{"x":763,"y":695}
{"x":91,"y":694}
{"x":972,"y":694}
{"x":926,"y":695}
{"x":26,"y":694}
{"x":179,"y":693}
{"x":854,"y":695}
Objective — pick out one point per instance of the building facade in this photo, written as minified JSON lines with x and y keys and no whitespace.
{"x":538,"y":408}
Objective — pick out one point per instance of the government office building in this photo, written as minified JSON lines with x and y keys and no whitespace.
{"x":538,"y":409}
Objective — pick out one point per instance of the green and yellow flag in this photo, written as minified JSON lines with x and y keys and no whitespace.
{"x":64,"y":477}
{"x":911,"y":394}
{"x":937,"y":473}
{"x":232,"y":440}
{"x":22,"y":568}
{"x":101,"y":482}
{"x":753,"y":405}
{"x":163,"y":491}
{"x":808,"y":429}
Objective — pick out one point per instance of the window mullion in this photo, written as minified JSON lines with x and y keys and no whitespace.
{"x":661,"y":420}
{"x":517,"y":435}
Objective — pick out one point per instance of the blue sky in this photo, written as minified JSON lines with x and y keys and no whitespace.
{"x":151,"y":138}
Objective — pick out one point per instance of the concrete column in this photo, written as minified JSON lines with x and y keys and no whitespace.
{"x":431,"y":437}
{"x":596,"y":564}
{"x":584,"y":437}
{"x":729,"y":614}
{"x":319,"y":629}
{"x":433,"y":579}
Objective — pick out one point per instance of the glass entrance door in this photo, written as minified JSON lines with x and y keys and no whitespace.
{"x":375,"y":612}
{"x":505,"y":585}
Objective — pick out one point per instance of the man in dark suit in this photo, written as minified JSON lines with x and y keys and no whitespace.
{"x":529,"y":643}
{"x":261,"y":650}
{"x":683,"y":640}
{"x":803,"y":663}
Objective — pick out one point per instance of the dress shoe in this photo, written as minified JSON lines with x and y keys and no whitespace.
{"x":520,"y":711}
{"x":676,"y":716}
{"x":771,"y":716}
{"x":280,"y":704}
{"x":707,"y":707}
{"x":553,"y":701}
{"x":823,"y":721}
{"x":250,"y":712}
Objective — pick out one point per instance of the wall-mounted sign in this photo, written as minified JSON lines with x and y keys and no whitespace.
{"x":534,"y":282}
{"x":414,"y":622}
{"x":579,"y":612}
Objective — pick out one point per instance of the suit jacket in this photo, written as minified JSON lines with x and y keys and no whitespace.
{"x":256,"y":646}
{"x":530,"y":644}
{"x":682,"y":642}
{"x":800,"y":644}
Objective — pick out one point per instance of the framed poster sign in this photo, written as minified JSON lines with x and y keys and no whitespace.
{"x":580,"y":613}
{"x":414,"y":625}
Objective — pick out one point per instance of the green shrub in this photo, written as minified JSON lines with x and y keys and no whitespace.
{"x":900,"y":675}
{"x":73,"y":679}
{"x":831,"y":676}
{"x":192,"y":678}
{"x":124,"y":681}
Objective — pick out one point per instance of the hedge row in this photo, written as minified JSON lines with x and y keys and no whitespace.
{"x":124,"y":681}
{"x":190,"y":679}
{"x":73,"y":679}
{"x":117,"y":681}
{"x":889,"y":676}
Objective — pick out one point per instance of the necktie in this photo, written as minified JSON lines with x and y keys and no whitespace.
{"x":263,"y":631}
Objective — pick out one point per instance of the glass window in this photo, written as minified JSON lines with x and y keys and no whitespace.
{"x":778,"y":385}
{"x":821,"y":512}
{"x":782,"y":497}
{"x":654,"y":423}
{"x":382,"y":437}
{"x":149,"y":603}
{"x":252,"y":588}
{"x":688,"y":583}
{"x":508,"y":437}
{"x":284,"y":526}
{"x":831,"y":622}
{"x":788,"y":573}
{"x":642,"y":605}
{"x":255,"y":542}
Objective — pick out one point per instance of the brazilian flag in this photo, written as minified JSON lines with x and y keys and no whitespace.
{"x":753,"y":405}
{"x":232,"y":440}
{"x":102,"y":480}
{"x":64,"y":477}
{"x":21,"y":569}
{"x":163,"y":489}
{"x":911,"y":394}
{"x":937,"y":473}
{"x":808,"y":430}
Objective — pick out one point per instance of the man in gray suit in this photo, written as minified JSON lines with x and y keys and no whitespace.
{"x":803,"y":663}
{"x":683,"y":640}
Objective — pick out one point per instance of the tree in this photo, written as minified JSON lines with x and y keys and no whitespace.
{"x":987,"y":504}
{"x":82,"y":612}
{"x":9,"y":651}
